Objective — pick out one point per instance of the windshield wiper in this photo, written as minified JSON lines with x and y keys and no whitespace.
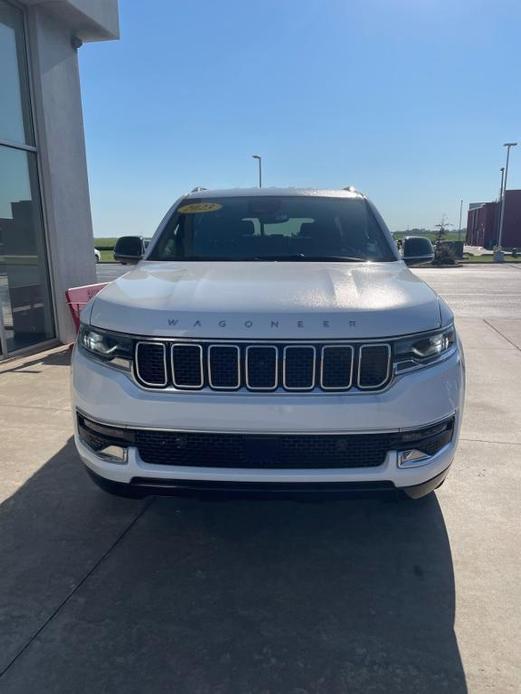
{"x":315,"y":258}
{"x":269,"y":258}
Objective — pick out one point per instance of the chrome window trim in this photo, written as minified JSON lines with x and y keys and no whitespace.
{"x":292,"y":389}
{"x":201,"y":365}
{"x":154,"y":386}
{"x":389,"y":360}
{"x":336,"y":388}
{"x":209,"y":360}
{"x":276,"y":382}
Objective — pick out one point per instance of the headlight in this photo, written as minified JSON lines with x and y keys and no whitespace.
{"x":424,"y":349}
{"x":111,"y":348}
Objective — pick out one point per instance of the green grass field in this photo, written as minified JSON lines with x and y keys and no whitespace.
{"x":488,"y":259}
{"x":449,"y":236}
{"x":105,"y":246}
{"x":107,"y":257}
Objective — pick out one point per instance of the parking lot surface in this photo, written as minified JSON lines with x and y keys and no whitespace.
{"x":100,"y":594}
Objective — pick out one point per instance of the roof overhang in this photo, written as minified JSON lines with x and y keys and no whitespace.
{"x":89,"y":20}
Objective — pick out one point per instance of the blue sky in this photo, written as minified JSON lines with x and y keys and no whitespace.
{"x":408,"y":100}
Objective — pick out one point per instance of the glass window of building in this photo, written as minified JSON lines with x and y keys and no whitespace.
{"x":25,"y":301}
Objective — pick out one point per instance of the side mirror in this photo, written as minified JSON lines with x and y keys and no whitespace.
{"x":417,"y":250}
{"x":129,"y":249}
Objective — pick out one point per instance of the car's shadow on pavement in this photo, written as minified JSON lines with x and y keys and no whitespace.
{"x":351,"y":596}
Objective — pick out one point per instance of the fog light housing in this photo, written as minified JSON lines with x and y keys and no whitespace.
{"x":113,"y":454}
{"x":412,"y":457}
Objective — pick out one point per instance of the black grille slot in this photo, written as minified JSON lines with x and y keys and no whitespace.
{"x":337,"y":367}
{"x":261,"y":367}
{"x":151,"y":364}
{"x":263,"y":451}
{"x":224,"y":367}
{"x":187,"y":366}
{"x":299,"y":367}
{"x":374,"y":366}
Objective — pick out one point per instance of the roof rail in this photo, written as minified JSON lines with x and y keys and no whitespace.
{"x":351,"y":189}
{"x":197,"y":189}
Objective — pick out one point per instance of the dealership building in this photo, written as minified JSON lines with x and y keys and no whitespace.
{"x":45,"y":221}
{"x":483,"y":222}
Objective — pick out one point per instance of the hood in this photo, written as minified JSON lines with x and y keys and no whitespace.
{"x":267,"y":300}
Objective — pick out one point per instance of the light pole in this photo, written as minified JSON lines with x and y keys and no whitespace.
{"x":460,"y":213}
{"x":500,"y":200}
{"x":499,"y":256}
{"x":259,"y":159}
{"x":502,"y":169}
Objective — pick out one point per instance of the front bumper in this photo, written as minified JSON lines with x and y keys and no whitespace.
{"x":140,"y":487}
{"x":414,"y":400}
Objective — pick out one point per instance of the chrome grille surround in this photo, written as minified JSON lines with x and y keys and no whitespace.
{"x":223,"y":346}
{"x":244,"y":349}
{"x":140,"y":376}
{"x":247,"y":369}
{"x":323,"y":353}
{"x":291,"y":349}
{"x":383,"y":381}
{"x":178,"y":381}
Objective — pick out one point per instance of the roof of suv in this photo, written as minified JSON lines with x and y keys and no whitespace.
{"x":237,"y":192}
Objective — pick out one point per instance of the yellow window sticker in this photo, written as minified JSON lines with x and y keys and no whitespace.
{"x":196,"y":207}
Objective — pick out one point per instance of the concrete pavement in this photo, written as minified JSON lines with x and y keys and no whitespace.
{"x":369,"y":595}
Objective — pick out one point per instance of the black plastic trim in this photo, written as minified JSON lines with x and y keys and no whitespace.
{"x":141,"y":487}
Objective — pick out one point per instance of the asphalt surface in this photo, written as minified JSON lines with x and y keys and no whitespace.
{"x":100,"y":594}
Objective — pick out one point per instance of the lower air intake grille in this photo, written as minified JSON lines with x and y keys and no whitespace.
{"x":263,"y":451}
{"x":277,"y":451}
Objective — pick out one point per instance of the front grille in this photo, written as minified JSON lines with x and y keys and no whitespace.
{"x":277,"y":451}
{"x":299,"y":367}
{"x":373,"y":366}
{"x":337,"y":367}
{"x":151,"y":364}
{"x":263,"y":367}
{"x":187,"y":363}
{"x":224,"y":367}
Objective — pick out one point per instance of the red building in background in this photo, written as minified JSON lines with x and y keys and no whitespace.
{"x":483,"y":222}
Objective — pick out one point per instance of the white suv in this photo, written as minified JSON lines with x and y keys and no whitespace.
{"x":270,"y":341}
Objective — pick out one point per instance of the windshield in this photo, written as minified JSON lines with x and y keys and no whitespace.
{"x":273,"y":228}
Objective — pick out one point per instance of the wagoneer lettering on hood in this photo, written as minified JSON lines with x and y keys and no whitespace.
{"x":270,"y":299}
